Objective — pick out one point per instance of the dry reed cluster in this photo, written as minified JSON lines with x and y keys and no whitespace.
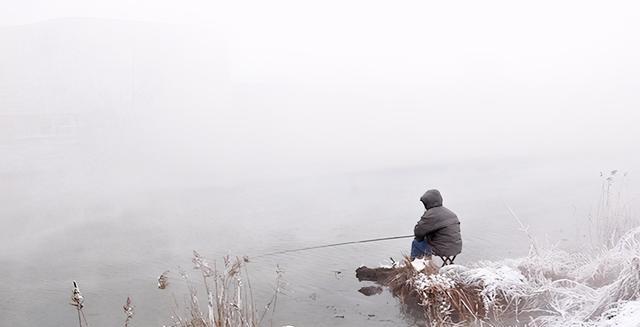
{"x":229,"y":297}
{"x":230,"y":300}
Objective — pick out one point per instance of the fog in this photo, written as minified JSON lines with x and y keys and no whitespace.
{"x":260,"y":89}
{"x":154,"y":113}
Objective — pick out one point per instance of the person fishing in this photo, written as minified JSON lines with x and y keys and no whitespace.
{"x":437,"y":232}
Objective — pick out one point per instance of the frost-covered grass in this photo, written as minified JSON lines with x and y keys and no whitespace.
{"x":229,"y":296}
{"x":549,"y":287}
{"x":228,"y":292}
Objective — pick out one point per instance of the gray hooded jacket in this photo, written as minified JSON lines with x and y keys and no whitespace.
{"x":439,"y":226}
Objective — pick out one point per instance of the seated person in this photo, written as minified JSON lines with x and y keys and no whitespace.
{"x":438,"y":231}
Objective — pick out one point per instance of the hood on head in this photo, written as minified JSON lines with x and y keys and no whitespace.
{"x":431,"y":199}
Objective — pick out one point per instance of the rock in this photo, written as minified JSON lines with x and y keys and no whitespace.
{"x":370,"y":290}
{"x":378,"y":275}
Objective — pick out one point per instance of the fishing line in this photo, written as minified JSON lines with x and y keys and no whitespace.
{"x":332,"y":245}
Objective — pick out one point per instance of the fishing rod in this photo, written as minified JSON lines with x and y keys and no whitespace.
{"x":333,"y":245}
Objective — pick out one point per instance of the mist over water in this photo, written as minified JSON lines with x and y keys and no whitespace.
{"x":118,"y":243}
{"x":129,"y":140}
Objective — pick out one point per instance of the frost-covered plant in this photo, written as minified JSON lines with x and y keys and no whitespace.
{"x":549,"y":287}
{"x":77,"y":300}
{"x":625,"y":288}
{"x":230,"y":301}
{"x":128,"y":311}
{"x":611,"y":219}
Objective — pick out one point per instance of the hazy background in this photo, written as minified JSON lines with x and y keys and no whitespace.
{"x":133,"y":132}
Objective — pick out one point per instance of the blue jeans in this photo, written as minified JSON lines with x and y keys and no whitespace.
{"x":420,"y":249}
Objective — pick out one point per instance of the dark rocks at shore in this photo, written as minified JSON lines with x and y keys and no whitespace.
{"x":370,"y":290}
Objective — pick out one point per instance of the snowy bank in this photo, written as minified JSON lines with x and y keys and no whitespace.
{"x":549,"y":287}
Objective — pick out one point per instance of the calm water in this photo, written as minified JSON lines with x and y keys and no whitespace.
{"x":117,"y":243}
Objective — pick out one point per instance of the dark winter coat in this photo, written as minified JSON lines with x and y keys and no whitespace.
{"x":439,"y":226}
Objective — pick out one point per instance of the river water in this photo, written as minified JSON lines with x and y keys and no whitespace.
{"x":115,"y":244}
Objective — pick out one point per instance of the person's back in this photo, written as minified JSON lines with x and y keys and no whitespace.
{"x":438,"y":227}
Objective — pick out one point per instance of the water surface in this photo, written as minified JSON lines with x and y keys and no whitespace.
{"x":117,"y":243}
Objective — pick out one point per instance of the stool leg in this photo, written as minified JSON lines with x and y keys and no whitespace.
{"x":447,"y":260}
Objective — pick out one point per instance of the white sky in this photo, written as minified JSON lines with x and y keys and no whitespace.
{"x":406,"y":79}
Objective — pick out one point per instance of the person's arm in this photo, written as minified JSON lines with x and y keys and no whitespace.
{"x":418,"y":236}
{"x":423,"y":228}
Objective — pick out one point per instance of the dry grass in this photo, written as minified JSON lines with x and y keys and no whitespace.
{"x":454,"y":294}
{"x":229,"y":296}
